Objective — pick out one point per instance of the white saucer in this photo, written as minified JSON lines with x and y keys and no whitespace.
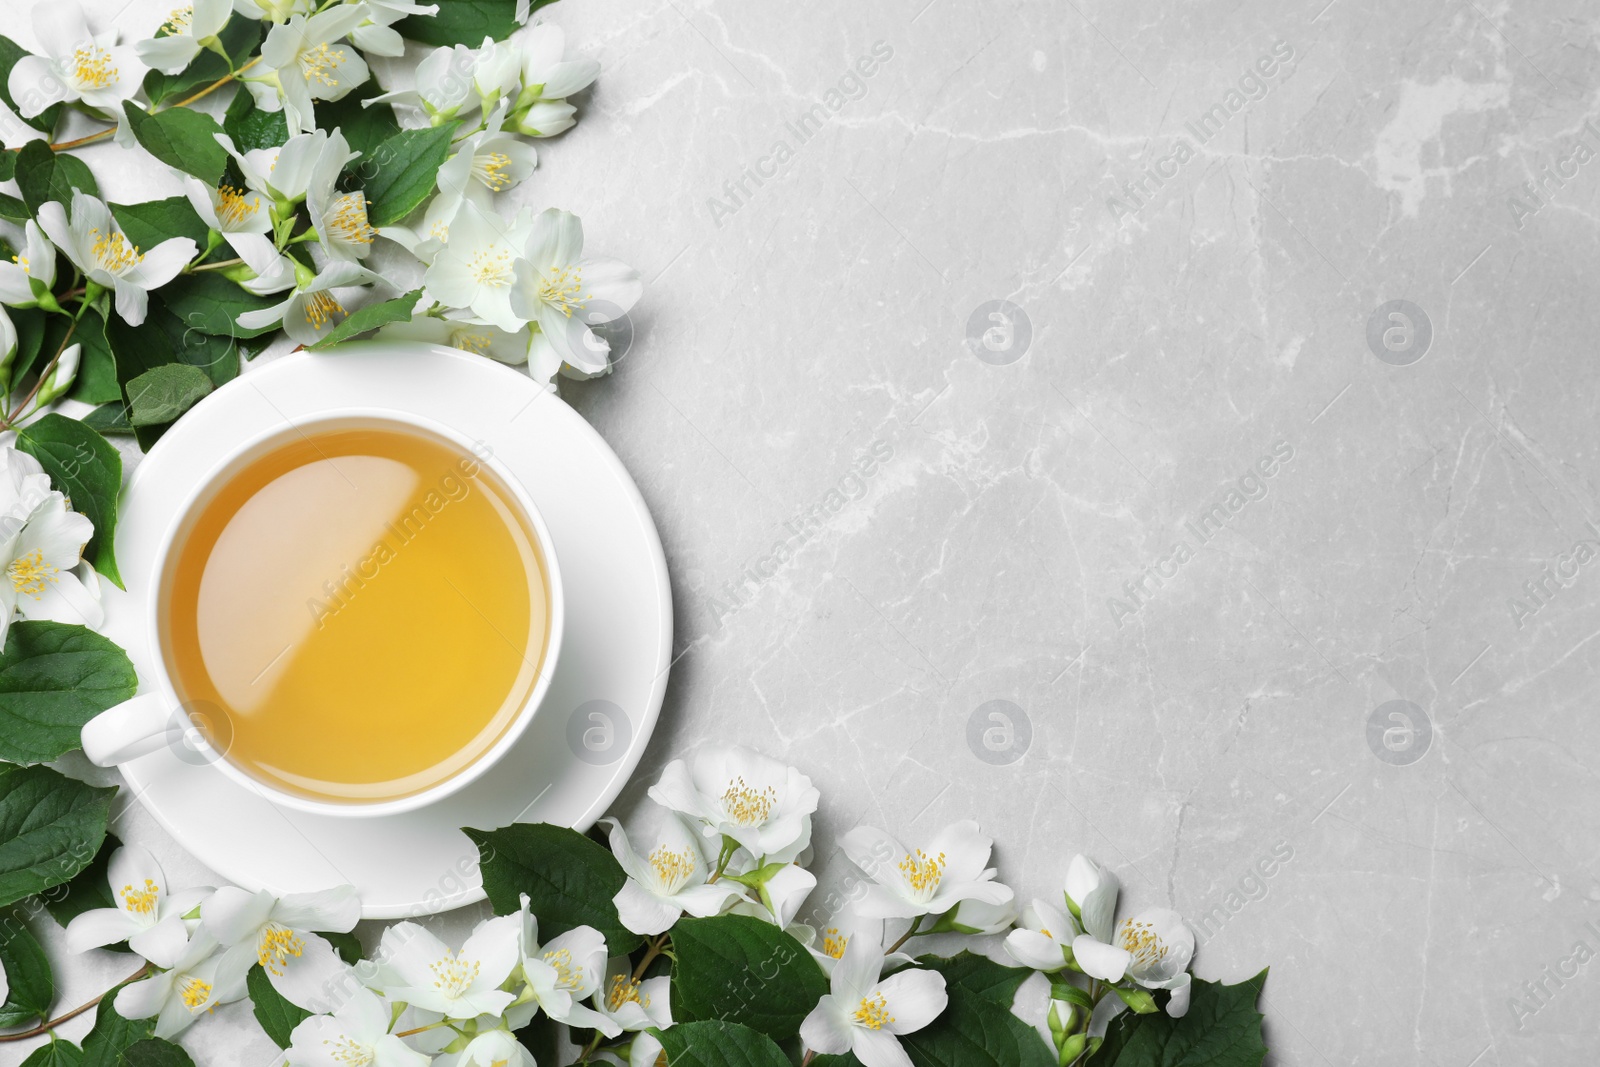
{"x":576,"y":753}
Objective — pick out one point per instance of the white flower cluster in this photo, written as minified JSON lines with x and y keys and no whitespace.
{"x":41,"y":546}
{"x":514,"y":286}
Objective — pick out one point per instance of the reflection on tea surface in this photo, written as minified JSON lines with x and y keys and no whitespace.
{"x":367,"y":608}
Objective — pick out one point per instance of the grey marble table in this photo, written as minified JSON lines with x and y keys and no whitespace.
{"x":1213,"y":385}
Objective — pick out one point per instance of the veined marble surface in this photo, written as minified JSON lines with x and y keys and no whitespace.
{"x":1195,"y":504}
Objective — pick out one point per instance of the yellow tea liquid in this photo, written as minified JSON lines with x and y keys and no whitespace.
{"x":356,"y":615}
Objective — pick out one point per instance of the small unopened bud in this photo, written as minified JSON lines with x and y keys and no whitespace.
{"x":61,"y":376}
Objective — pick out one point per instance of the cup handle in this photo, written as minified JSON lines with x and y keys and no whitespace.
{"x":127,"y":731}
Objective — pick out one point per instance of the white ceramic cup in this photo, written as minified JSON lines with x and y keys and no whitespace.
{"x":158,"y":718}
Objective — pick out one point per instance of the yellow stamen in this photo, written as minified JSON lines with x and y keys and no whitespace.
{"x":21,"y":261}
{"x":195,"y":994}
{"x":348,"y":220}
{"x":113,"y":253}
{"x":1142,"y":942}
{"x":453,"y":975}
{"x":747,"y":806}
{"x":277,"y":944}
{"x":141,"y":901}
{"x":567,"y":976}
{"x":491,"y":267}
{"x":562,"y":288}
{"x":92,"y":67}
{"x":178,"y":22}
{"x":345,"y":1050}
{"x":923,"y":871}
{"x":874,"y":1012}
{"x":30,"y":573}
{"x":834,"y":945}
{"x":625,"y":990}
{"x":321,"y":308}
{"x":672,"y":868}
{"x":1045,"y":930}
{"x":490,"y":168}
{"x":476,"y":343}
{"x":321,"y":65}
{"x":234,"y":206}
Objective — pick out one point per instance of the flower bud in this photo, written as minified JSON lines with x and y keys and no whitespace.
{"x":61,"y":376}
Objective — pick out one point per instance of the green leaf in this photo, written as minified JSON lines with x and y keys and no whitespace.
{"x":719,"y":1044}
{"x":154,"y":1052}
{"x":8,"y":166}
{"x":542,"y":1038}
{"x":87,"y":468}
{"x":1222,"y":1028}
{"x":163,"y":393}
{"x":181,"y":138}
{"x":364,"y":128}
{"x":109,"y":418}
{"x":211,"y":304}
{"x":251,"y":128}
{"x":348,"y":946}
{"x":10,"y":52}
{"x":277,"y":1016}
{"x":13,"y":210}
{"x":1139,"y":1000}
{"x":371,"y":317}
{"x":149,"y":223}
{"x":31,"y":326}
{"x":569,"y":879}
{"x":51,"y":827}
{"x":743,"y":970}
{"x":217,"y":356}
{"x":54,"y":678}
{"x":96,"y":382}
{"x":57,"y":1053}
{"x":89,"y":889}
{"x":112,"y":1035}
{"x":977,"y":1029}
{"x":465,"y":22}
{"x":400,"y":173}
{"x":239,"y":38}
{"x":43,"y":176}
{"x":33,"y":989}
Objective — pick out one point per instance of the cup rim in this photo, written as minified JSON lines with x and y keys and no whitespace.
{"x":472,"y":771}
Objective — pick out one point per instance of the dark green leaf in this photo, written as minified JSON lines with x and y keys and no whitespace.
{"x":8,"y":166}
{"x":43,"y":176}
{"x":54,"y":678}
{"x":977,"y":1028}
{"x":465,"y":22}
{"x":33,"y":989}
{"x":348,"y":946}
{"x":13,"y":210}
{"x":719,"y":1044}
{"x":364,"y":128}
{"x":371,"y":317}
{"x":239,"y":38}
{"x":162,"y":394}
{"x":89,"y":889}
{"x":542,"y":1038}
{"x":96,"y":382}
{"x":568,"y":877}
{"x":154,"y":1052}
{"x":109,"y":418}
{"x":217,"y":356}
{"x":743,"y":970}
{"x":180,"y":138}
{"x":10,"y":52}
{"x":1222,"y":1028}
{"x":399,"y":174}
{"x":251,"y":128}
{"x":112,"y":1035}
{"x":211,"y":303}
{"x":277,"y":1016}
{"x":153,"y":221}
{"x":87,"y":468}
{"x":51,"y":827}
{"x":57,"y":1053}
{"x":31,"y":328}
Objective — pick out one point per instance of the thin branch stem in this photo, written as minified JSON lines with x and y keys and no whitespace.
{"x":221,"y":264}
{"x":650,"y":953}
{"x":916,"y":924}
{"x":46,"y":1027}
